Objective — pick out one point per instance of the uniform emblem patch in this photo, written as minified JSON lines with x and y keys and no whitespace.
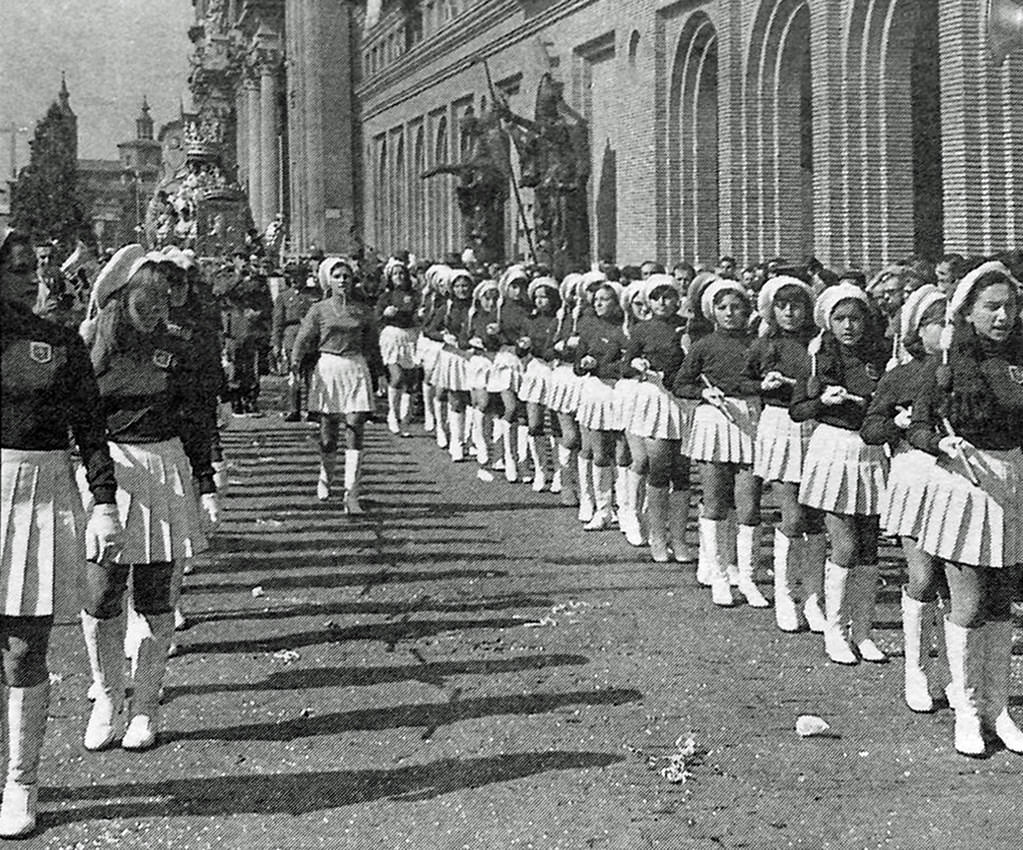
{"x":1016,"y":373}
{"x":162,"y":359}
{"x":872,"y":372}
{"x":40,"y":352}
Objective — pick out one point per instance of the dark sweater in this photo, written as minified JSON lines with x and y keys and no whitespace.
{"x":49,"y":388}
{"x":604,"y":340}
{"x":721,"y":356}
{"x":898,"y":388}
{"x":514,"y":322}
{"x":477,"y":327}
{"x":449,"y":317}
{"x":542,"y":331}
{"x":406,"y":303}
{"x":858,"y":369}
{"x":784,"y":353}
{"x":658,"y":341}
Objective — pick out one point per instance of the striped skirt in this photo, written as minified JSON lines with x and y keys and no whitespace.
{"x":625,"y":401}
{"x":341,"y":385}
{"x":564,"y":390}
{"x":506,"y":372}
{"x":716,"y":439}
{"x":780,"y":447}
{"x":597,"y":410}
{"x":902,"y":502}
{"x":452,"y":370}
{"x":979,"y":526}
{"x":427,"y":352}
{"x":657,"y":413}
{"x":478,"y":370}
{"x":535,"y":381}
{"x":842,"y":474}
{"x":42,"y":533}
{"x":398,"y":346}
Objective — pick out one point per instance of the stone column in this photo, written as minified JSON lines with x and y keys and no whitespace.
{"x":268,"y":142}
{"x":255,"y":166}
{"x":241,"y":133}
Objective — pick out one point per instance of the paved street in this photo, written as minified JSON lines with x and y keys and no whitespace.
{"x":466,"y":668}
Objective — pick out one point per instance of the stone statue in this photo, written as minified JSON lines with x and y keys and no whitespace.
{"x":554,"y":153}
{"x":483,"y":183}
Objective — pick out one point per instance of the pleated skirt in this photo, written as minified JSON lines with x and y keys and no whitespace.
{"x":625,"y":401}
{"x":978,"y":526}
{"x":564,"y":390}
{"x":537,"y":376}
{"x":427,"y":352}
{"x":478,"y":370}
{"x":506,"y":372}
{"x":341,"y":385}
{"x":451,"y":371}
{"x":780,"y":446}
{"x":902,"y":502}
{"x":42,"y":533}
{"x":398,"y":346}
{"x":842,"y":474}
{"x":657,"y":413}
{"x":714,"y":438}
{"x":597,"y":409}
{"x":156,"y":501}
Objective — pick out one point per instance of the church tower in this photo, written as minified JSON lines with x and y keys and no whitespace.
{"x":144,"y":123}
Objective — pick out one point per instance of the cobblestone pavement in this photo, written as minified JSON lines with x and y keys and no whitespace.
{"x":466,"y":668}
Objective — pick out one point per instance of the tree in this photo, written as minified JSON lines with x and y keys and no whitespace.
{"x":46,"y":201}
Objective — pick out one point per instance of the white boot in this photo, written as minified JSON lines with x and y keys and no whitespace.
{"x":863,"y":601}
{"x":747,"y":552}
{"x":479,"y":436}
{"x":569,"y":469}
{"x":657,"y":514}
{"x":836,"y":605}
{"x":522,"y":452}
{"x":557,"y":481}
{"x":456,"y":426}
{"x":703,"y":559}
{"x":145,"y":701}
{"x":439,"y":428}
{"x":728,"y":555}
{"x":628,"y":509}
{"x":430,"y":419}
{"x":353,"y":478}
{"x":603,"y":479}
{"x":511,"y":469}
{"x":965,"y":648}
{"x":404,"y":413}
{"x":678,"y":520}
{"x":537,"y":452}
{"x":326,"y":476}
{"x":586,"y":507}
{"x":713,"y":540}
{"x":995,"y":706}
{"x":104,"y":642}
{"x":26,"y":725}
{"x":786,"y":560}
{"x":392,"y":409}
{"x":918,"y":633}
{"x":811,"y":571}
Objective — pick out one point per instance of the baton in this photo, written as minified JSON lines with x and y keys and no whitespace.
{"x":723,"y":407}
{"x":960,"y":453}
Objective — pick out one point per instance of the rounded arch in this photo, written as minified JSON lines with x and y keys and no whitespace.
{"x":399,"y":229}
{"x":634,"y":40}
{"x":439,"y":191}
{"x":693,"y":144}
{"x":417,"y":204}
{"x":381,"y":196}
{"x":777,"y":209}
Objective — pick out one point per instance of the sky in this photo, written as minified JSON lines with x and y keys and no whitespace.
{"x":114,"y":52}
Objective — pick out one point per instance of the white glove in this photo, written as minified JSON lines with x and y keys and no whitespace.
{"x":525,"y":342}
{"x":588,"y":362}
{"x":833,"y":395}
{"x":389,"y":311}
{"x":493,"y":329}
{"x":559,"y":346}
{"x":104,"y":535}
{"x":476,"y":342}
{"x":952,"y":446}
{"x":771,"y":381}
{"x":640,"y":364}
{"x":713,"y":395}
{"x":210,"y":505}
{"x":451,"y":339}
{"x":220,"y":477}
{"x":904,"y":418}
{"x":572,"y":342}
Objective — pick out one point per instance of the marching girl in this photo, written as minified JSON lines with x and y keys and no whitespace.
{"x":778,"y":360}
{"x":658,"y":423}
{"x":49,"y":389}
{"x":970,"y":416}
{"x":721,"y":439}
{"x":886,"y":422}
{"x":513,"y":318}
{"x":564,"y":389}
{"x":341,"y":330}
{"x":842,"y":475}
{"x":160,"y":437}
{"x":480,"y":341}
{"x":533,"y":391}
{"x":630,"y":479}
{"x":396,"y":310}
{"x":433,"y":300}
{"x":598,"y":359}
{"x":450,"y":376}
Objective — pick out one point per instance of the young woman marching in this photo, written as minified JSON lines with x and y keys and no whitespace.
{"x":433,"y":302}
{"x":533,"y":391}
{"x":970,"y":416}
{"x":842,"y":475}
{"x":778,"y":360}
{"x":658,"y":423}
{"x":396,"y":317}
{"x":630,"y":478}
{"x":887,"y":421}
{"x":513,"y":318}
{"x":598,"y":359}
{"x":450,"y":376}
{"x":480,"y":342}
{"x":49,"y":389}
{"x":342,"y":330}
{"x":160,"y":437}
{"x":721,"y":439}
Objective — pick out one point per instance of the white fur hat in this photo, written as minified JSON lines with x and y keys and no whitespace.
{"x":831,"y":297}
{"x":715,"y":288}
{"x":770,"y":289}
